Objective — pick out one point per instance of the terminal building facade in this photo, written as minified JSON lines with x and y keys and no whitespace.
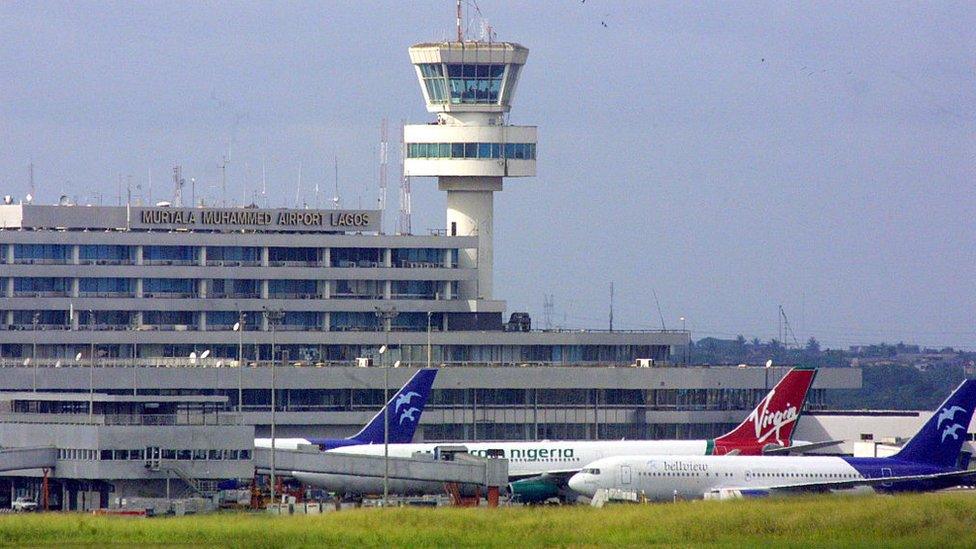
{"x":173,"y":300}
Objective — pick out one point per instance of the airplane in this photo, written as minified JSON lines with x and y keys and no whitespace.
{"x":405,"y":409}
{"x":539,"y":470}
{"x":931,"y":460}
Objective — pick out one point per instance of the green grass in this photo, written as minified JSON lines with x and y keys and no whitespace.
{"x":942,"y":520}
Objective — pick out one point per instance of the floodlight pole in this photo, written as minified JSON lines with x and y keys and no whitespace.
{"x":91,"y":368}
{"x":386,"y":316}
{"x":274,"y":317}
{"x":34,"y":320}
{"x":241,"y":317}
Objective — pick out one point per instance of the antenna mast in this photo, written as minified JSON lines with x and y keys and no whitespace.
{"x":384,"y":150}
{"x":611,"y":306}
{"x":547,"y":305}
{"x":298,"y":191}
{"x":335,"y":193}
{"x":787,"y":329}
{"x":178,"y":183}
{"x":460,"y":33}
{"x":30,"y":179}
{"x":404,"y":215}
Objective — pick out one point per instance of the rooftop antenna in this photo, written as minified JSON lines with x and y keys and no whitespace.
{"x":30,"y":178}
{"x":264,"y":184}
{"x":244,"y":194}
{"x":384,"y":150}
{"x":403,"y":218}
{"x":611,"y":306}
{"x":150,"y":202}
{"x":178,"y":183}
{"x":460,"y":33}
{"x":298,"y":191}
{"x":335,"y":195}
{"x":548,"y":303}
{"x":658,"y":303}
{"x":224,"y":160}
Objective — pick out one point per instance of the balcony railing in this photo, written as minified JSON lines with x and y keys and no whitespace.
{"x":41,"y":261}
{"x":233,"y":263}
{"x":294,"y":263}
{"x":294,"y":295}
{"x":183,"y":262}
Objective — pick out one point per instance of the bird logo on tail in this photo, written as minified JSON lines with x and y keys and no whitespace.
{"x":408,"y":414}
{"x":405,"y":398}
{"x":948,"y":414}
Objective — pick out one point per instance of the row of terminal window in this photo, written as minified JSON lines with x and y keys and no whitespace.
{"x":84,"y":454}
{"x":217,"y":320}
{"x":235,"y":255}
{"x":518,"y":151}
{"x":235,"y":288}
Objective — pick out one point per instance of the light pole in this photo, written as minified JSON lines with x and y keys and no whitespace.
{"x":429,"y":313}
{"x":91,"y":367}
{"x":274,"y":317}
{"x":239,"y":328}
{"x":37,"y":316}
{"x":386,"y":316}
{"x":687,"y":352}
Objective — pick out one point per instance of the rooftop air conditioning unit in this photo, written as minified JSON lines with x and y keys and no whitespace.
{"x":645,"y":362}
{"x":364,"y":362}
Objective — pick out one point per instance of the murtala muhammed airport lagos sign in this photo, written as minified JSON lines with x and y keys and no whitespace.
{"x":206,"y":219}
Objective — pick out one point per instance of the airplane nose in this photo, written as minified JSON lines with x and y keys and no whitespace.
{"x":578,"y":484}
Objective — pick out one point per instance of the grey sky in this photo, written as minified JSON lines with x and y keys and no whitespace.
{"x":733,"y":157}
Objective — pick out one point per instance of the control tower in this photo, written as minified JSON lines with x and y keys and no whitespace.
{"x":470,"y":147}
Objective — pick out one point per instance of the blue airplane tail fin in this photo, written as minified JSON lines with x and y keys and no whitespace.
{"x":940,"y":440}
{"x":405,"y":409}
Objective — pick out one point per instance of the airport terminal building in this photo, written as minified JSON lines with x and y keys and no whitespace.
{"x":170,"y":299}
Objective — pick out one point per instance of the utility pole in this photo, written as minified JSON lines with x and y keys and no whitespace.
{"x":91,"y":369}
{"x":239,"y":328}
{"x":386,"y":317}
{"x":274,"y":317}
{"x":36,"y":317}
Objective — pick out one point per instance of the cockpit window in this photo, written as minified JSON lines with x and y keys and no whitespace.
{"x":591,"y":471}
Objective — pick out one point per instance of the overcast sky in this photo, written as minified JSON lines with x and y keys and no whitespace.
{"x":731,"y":157}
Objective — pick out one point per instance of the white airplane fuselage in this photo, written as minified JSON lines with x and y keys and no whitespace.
{"x":664,"y":478}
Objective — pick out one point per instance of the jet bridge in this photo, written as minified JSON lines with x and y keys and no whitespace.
{"x":465,"y":471}
{"x":19,"y":459}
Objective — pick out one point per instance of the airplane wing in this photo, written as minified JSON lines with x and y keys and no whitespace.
{"x":854,"y":483}
{"x":555,"y":475}
{"x":800,"y":448}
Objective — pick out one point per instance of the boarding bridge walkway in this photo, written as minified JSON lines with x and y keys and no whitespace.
{"x":18,"y":459}
{"x":464,"y":471}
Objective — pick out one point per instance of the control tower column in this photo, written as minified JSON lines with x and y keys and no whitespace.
{"x":470,"y":212}
{"x":470,"y":148}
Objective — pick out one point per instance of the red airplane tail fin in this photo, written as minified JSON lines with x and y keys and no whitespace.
{"x":774,"y":418}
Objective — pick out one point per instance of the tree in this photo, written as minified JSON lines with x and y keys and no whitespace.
{"x":813,"y":346}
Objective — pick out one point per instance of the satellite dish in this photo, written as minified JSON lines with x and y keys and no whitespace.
{"x":193,"y":357}
{"x":64,"y":200}
{"x":205,"y":354}
{"x":237,"y":326}
{"x":27,"y":361}
{"x":7,"y":199}
{"x":29,"y":198}
{"x":769,"y":363}
{"x":383,"y":349}
{"x":396,"y":364}
{"x":219,"y":364}
{"x":78,"y":357}
{"x":57,"y":363}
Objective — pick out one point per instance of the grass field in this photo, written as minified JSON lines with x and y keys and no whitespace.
{"x":943,"y":520}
